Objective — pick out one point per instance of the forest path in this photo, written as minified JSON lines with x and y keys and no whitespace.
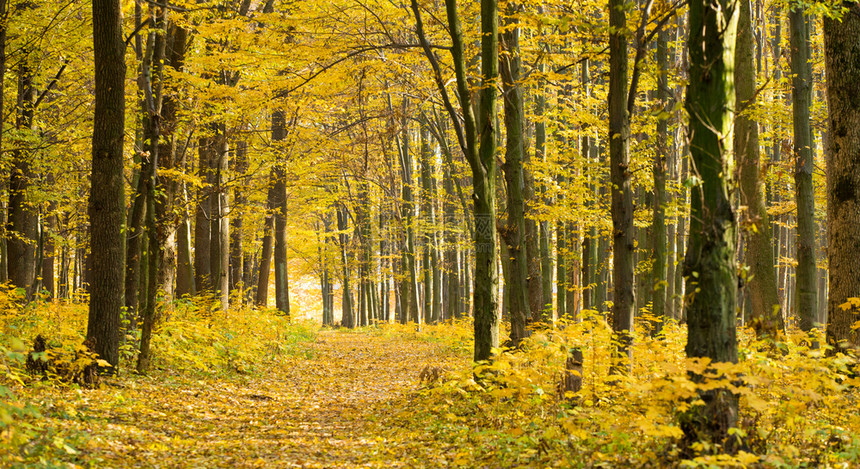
{"x":317,"y":410}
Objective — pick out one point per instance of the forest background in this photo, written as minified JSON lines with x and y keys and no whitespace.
{"x":375,"y":162}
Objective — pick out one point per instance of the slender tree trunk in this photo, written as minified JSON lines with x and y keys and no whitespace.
{"x":426,"y":223}
{"x":202,"y":225}
{"x":265,"y":267}
{"x":171,"y":188}
{"x":658,"y":223}
{"x":220,"y":238}
{"x":4,"y":253}
{"x":452,"y":266}
{"x":620,"y":181}
{"x":801,"y":98}
{"x":49,"y":228}
{"x":279,"y":206}
{"x":410,"y":290}
{"x":347,"y":318}
{"x":764,"y":316}
{"x":561,"y":252}
{"x":516,"y":285}
{"x":545,"y":234}
{"x":240,"y":201}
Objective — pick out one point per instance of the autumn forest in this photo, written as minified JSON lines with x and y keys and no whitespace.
{"x":426,"y":233}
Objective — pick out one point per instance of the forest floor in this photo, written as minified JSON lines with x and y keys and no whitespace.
{"x":253,"y":389}
{"x":319,"y":409}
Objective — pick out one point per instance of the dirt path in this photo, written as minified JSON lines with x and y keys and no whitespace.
{"x":316,"y":412}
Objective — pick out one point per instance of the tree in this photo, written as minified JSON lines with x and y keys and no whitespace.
{"x":842,"y":65}
{"x":709,"y":266}
{"x":514,"y":234}
{"x":765,"y":316}
{"x":620,"y":180}
{"x":107,"y":198}
{"x":801,"y":100}
{"x":477,"y":139}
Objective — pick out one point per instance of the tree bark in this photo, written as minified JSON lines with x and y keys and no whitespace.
{"x":658,"y":222}
{"x":842,"y":66}
{"x":477,"y":138}
{"x":106,"y":205}
{"x":710,"y":261}
{"x":22,"y":225}
{"x":514,"y":234}
{"x":806,"y":280}
{"x":765,"y":316}
{"x":622,"y":193}
{"x":279,"y":207}
{"x":204,"y":214}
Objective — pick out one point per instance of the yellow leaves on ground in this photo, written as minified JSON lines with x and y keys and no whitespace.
{"x":253,"y":390}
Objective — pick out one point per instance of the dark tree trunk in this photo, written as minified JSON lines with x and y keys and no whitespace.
{"x":202,"y":224}
{"x":240,"y":201}
{"x":106,"y":205}
{"x":710,"y":261}
{"x":4,"y":253}
{"x":806,"y":280}
{"x":658,"y":224}
{"x":620,"y":182}
{"x":764,"y":315}
{"x":347,"y":316}
{"x":262,"y":297}
{"x":279,"y":208}
{"x":22,"y":225}
{"x":842,"y":66}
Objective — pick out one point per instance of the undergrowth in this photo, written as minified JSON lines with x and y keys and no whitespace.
{"x":799,"y":408}
{"x":189,"y":342}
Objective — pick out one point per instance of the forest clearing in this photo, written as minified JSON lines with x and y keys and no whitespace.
{"x":424,"y":233}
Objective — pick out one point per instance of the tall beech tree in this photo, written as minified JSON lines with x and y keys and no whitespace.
{"x":709,"y":266}
{"x":107,"y":196}
{"x":842,"y":65}
{"x":765,"y":315}
{"x":806,"y":278}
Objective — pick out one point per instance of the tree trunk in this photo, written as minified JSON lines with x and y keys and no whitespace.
{"x":22,"y":225}
{"x":544,"y":226}
{"x":710,"y":261}
{"x":764,"y":316}
{"x":426,"y":223}
{"x":106,"y":205}
{"x":347,"y":318}
{"x":620,"y":182}
{"x":477,"y":138}
{"x":279,"y":207}
{"x":806,"y":281}
{"x":561,"y":251}
{"x":49,"y":228}
{"x":4,"y":253}
{"x":240,"y":202}
{"x":842,"y":66}
{"x":265,"y":267}
{"x":202,"y":225}
{"x":171,"y":188}
{"x":658,"y":222}
{"x":515,"y":232}
{"x":411,"y":311}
